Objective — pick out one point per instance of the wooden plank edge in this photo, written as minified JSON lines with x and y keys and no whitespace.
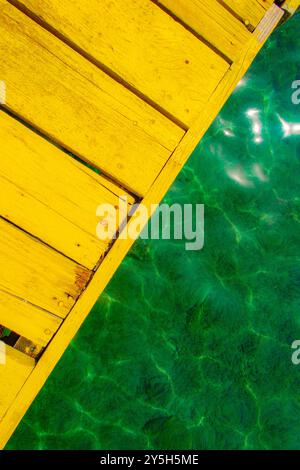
{"x":291,"y":6}
{"x":121,"y":247}
{"x":109,"y":71}
{"x":28,"y":320}
{"x":193,"y":31}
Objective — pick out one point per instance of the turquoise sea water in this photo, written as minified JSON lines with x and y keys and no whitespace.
{"x":193,"y":349}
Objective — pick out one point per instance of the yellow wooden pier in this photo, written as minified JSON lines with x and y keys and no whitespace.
{"x":127,"y":86}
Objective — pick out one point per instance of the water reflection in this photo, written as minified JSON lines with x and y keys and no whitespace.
{"x":289,"y":128}
{"x":253,"y":115}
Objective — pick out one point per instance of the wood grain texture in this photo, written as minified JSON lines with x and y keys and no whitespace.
{"x":77,"y":105}
{"x":50,"y":195}
{"x":291,"y":6}
{"x":143,"y":45}
{"x":251,"y":12}
{"x":13,"y":375}
{"x":213,"y":22}
{"x":38,"y":274}
{"x":27,"y":320}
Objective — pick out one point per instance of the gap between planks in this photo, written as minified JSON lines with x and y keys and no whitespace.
{"x":192,"y":30}
{"x":107,"y":70}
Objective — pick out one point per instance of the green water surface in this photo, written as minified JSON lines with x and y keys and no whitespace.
{"x":193,"y":349}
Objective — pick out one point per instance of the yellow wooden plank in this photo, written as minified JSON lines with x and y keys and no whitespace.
{"x":13,"y":375}
{"x":267,"y":3}
{"x":50,"y":195}
{"x":251,"y":12}
{"x":35,"y":272}
{"x":121,"y":247}
{"x":143,"y":45}
{"x":213,"y":22}
{"x":291,"y":6}
{"x":27,"y":320}
{"x":79,"y":106}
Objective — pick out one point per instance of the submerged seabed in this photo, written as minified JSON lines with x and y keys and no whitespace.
{"x":193,"y":349}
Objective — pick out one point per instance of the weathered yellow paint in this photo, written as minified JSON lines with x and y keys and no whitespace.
{"x":27,"y":320}
{"x":31,"y":270}
{"x":12,"y":376}
{"x":50,"y":195}
{"x":291,"y":6}
{"x":251,"y":12}
{"x":36,"y":273}
{"x":142,"y":45}
{"x":75,"y":103}
{"x":210,"y":20}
